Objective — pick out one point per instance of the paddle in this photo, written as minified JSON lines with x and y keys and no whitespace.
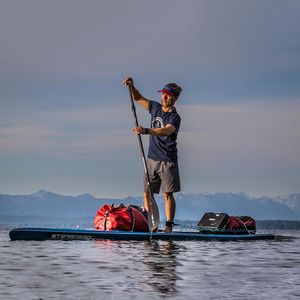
{"x":153,"y":212}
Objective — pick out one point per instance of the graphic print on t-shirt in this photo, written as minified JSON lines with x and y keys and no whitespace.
{"x":157,"y":123}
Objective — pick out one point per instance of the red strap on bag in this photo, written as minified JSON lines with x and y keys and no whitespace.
{"x":121,"y":217}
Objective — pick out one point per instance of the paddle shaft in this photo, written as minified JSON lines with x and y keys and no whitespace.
{"x":140,"y":141}
{"x":150,"y":208}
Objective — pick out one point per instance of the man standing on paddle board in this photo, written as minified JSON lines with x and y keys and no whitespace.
{"x":162,"y":158}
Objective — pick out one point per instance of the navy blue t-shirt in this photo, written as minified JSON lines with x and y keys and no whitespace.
{"x":163,"y":148}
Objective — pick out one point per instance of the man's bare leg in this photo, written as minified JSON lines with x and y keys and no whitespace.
{"x":147,"y":198}
{"x":170,"y":207}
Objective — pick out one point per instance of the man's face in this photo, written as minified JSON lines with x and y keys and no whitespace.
{"x":167,"y":100}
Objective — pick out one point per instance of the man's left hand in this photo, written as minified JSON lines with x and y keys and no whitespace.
{"x":140,"y":130}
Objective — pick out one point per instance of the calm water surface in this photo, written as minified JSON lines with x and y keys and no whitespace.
{"x":150,"y":270}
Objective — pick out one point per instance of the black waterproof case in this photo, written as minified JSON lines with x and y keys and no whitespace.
{"x":213,"y":221}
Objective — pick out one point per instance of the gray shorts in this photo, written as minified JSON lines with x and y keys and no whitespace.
{"x":162,"y":174}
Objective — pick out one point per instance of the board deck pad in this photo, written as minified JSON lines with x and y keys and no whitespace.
{"x":91,"y":234}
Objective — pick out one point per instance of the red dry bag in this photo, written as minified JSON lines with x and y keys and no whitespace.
{"x":240,"y":225}
{"x":121,"y":217}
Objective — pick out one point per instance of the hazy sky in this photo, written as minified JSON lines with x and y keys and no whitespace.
{"x":65,"y":118}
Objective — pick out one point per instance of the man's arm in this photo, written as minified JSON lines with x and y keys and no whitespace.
{"x":164,"y":131}
{"x":137,"y":96}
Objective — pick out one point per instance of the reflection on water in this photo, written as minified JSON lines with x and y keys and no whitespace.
{"x":155,"y":261}
{"x":161,"y":260}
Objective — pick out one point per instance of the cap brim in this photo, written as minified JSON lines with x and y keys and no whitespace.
{"x":166,"y":92}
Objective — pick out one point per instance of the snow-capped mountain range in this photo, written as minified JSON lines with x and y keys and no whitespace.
{"x":189,"y":206}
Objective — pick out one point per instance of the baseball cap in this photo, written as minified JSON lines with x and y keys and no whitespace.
{"x":171,"y":89}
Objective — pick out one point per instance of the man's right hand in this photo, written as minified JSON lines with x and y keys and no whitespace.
{"x":128,"y":81}
{"x":136,"y":94}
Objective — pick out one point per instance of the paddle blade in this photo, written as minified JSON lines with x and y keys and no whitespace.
{"x":153,"y":215}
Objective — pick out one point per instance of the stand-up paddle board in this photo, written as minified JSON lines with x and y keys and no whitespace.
{"x":40,"y":234}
